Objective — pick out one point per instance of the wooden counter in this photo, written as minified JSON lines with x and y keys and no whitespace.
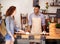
{"x":52,"y":33}
{"x":49,"y":13}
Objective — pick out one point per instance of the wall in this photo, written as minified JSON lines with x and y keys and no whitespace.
{"x":24,"y":6}
{"x":51,"y":9}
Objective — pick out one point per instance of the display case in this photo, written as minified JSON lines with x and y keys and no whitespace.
{"x":24,"y":21}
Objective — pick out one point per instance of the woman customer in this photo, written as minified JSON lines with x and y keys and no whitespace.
{"x":10,"y":26}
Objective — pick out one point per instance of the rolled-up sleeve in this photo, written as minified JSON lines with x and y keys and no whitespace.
{"x":30,"y":20}
{"x":43,"y":20}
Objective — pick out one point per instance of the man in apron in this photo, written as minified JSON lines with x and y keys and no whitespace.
{"x":36,"y":20}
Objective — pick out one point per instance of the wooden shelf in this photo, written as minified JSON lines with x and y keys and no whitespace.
{"x":55,"y":5}
{"x":0,"y":13}
{"x":49,"y":13}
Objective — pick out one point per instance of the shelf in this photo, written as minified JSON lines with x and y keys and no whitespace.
{"x":0,"y":12}
{"x":49,"y":13}
{"x":55,"y":5}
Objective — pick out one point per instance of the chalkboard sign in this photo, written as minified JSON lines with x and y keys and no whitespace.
{"x":35,"y":2}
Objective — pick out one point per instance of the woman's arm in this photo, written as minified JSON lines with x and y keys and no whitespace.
{"x":16,"y":28}
{"x":8,"y":27}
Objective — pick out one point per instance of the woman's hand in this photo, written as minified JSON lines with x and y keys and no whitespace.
{"x":13,"y":39}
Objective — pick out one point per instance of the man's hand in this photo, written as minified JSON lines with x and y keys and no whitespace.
{"x":28,"y":29}
{"x":44,"y":32}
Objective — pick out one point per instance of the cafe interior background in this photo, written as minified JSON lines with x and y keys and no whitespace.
{"x":49,"y":8}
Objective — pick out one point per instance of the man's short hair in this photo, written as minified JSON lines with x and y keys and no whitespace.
{"x":37,"y":6}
